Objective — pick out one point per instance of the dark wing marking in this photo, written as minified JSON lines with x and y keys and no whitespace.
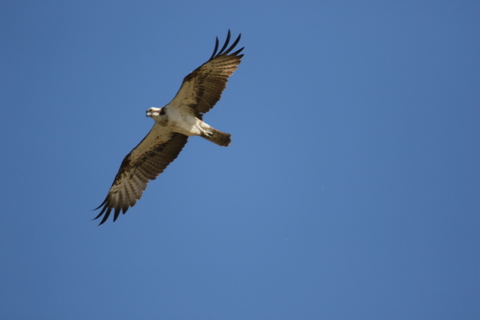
{"x":202,"y":88}
{"x":144,"y":163}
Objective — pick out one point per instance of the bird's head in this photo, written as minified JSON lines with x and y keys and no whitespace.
{"x":155,"y":112}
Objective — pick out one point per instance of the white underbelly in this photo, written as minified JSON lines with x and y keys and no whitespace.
{"x":186,"y":124}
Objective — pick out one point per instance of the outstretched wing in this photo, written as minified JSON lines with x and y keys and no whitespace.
{"x":202,"y":88}
{"x":144,"y":163}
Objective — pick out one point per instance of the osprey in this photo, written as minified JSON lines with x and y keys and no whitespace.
{"x":174,"y":123}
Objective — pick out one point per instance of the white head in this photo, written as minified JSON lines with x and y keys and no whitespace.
{"x":155,"y":112}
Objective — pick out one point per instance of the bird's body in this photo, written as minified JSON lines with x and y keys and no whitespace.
{"x":183,"y":120}
{"x":176,"y":119}
{"x":174,"y":123}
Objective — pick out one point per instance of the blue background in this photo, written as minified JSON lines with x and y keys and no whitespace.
{"x":351,"y":189}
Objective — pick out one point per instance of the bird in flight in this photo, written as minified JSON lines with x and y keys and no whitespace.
{"x":174,"y":123}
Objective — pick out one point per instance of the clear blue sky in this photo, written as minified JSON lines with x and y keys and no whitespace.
{"x":351,"y":189}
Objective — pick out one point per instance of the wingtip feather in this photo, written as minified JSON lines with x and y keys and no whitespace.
{"x":225,"y":48}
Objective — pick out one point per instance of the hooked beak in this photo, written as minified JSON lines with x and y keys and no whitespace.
{"x":152,"y":113}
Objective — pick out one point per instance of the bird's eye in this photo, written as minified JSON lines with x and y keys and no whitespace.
{"x":162,"y":111}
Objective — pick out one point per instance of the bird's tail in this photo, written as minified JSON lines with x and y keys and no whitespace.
{"x":216,"y":136}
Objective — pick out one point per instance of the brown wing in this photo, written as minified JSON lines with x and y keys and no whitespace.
{"x":202,"y":88}
{"x":144,"y":163}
